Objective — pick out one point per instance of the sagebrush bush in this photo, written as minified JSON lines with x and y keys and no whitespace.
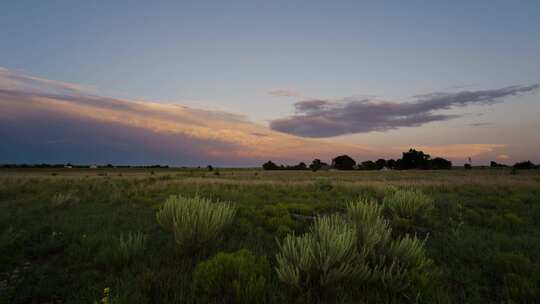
{"x":408,"y":208}
{"x":373,"y":231}
{"x":131,"y":246}
{"x":395,"y":265}
{"x":238,"y":277}
{"x":194,"y":221}
{"x":318,"y":261}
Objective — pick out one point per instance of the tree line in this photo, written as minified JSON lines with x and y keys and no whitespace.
{"x":69,"y":165}
{"x":411,"y":159}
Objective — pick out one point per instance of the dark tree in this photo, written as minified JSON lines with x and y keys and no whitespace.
{"x":414,"y":160}
{"x":391,"y":164}
{"x":467,"y":166}
{"x":300,"y":166}
{"x":269,"y":165}
{"x":343,"y":162}
{"x":368,"y":165}
{"x":493,"y":164}
{"x":317,"y":164}
{"x":439,"y":163}
{"x":524,"y":165}
{"x":380,"y":163}
{"x":210,"y":168}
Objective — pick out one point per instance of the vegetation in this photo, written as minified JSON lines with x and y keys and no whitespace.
{"x":343,"y":162}
{"x":430,"y":236}
{"x":525,"y":165}
{"x":411,"y":160}
{"x":320,"y":260}
{"x":194,"y":221}
{"x":131,"y":247}
{"x":238,"y":277}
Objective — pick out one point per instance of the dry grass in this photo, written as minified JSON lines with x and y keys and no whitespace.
{"x":257,"y":177}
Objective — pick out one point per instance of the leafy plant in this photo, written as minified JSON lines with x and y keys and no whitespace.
{"x":194,"y":221}
{"x":238,"y":277}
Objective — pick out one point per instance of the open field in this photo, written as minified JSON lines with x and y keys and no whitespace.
{"x":61,"y":229}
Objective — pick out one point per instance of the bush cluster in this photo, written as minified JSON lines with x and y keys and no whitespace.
{"x":356,"y":249}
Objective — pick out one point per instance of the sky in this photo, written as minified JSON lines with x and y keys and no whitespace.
{"x":235,"y":83}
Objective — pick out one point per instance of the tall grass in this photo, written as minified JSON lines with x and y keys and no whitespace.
{"x":131,"y":246}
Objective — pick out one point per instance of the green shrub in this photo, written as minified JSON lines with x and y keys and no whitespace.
{"x":373,"y":231}
{"x":131,"y":247}
{"x":320,"y":260}
{"x":194,"y":221}
{"x":409,"y":209}
{"x":274,"y":216}
{"x":238,"y":277}
{"x":395,"y":265}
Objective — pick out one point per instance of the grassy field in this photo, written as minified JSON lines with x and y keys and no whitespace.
{"x":91,"y":235}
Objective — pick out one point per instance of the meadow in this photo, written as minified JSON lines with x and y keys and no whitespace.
{"x":97,"y":236}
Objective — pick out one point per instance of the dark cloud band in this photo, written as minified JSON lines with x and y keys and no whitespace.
{"x":323,"y":118}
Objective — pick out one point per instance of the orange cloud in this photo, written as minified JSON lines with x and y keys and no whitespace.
{"x":213,"y":134}
{"x":503,"y":156}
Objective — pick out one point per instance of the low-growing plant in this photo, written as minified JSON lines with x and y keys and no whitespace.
{"x":408,"y":209}
{"x":238,"y":277}
{"x":373,"y":231}
{"x":194,"y":221}
{"x":318,"y":261}
{"x":62,"y":199}
{"x":395,"y":265}
{"x":131,"y":246}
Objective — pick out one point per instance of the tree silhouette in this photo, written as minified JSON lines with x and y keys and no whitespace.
{"x":317,"y":164}
{"x":269,"y":165}
{"x":343,"y":162}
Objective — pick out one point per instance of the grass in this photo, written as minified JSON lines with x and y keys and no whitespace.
{"x":58,"y":233}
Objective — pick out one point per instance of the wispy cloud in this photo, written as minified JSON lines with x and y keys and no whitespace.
{"x":284,"y":93}
{"x":480,"y":124}
{"x":326,"y":118}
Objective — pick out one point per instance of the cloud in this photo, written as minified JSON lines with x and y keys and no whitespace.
{"x":503,"y":157}
{"x":284,"y":93}
{"x":480,"y":124}
{"x":51,"y":121}
{"x":325,"y":118}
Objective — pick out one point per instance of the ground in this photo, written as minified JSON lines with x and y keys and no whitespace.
{"x":59,"y":228}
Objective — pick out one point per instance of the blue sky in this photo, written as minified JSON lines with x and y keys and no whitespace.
{"x":228,"y":56}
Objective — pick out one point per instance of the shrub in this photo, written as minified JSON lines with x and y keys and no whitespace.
{"x":409,"y":209}
{"x":371,"y":229}
{"x":394,"y":265}
{"x":238,"y":277}
{"x":194,"y":221}
{"x":131,"y":246}
{"x":274,"y":216}
{"x":317,"y":262}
